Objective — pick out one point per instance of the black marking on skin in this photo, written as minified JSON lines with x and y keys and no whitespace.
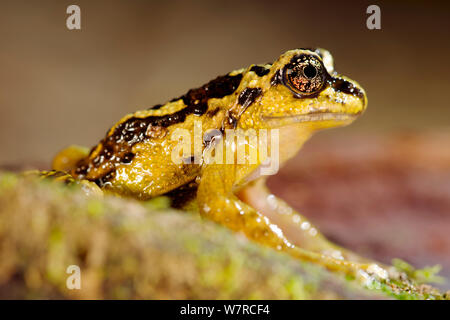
{"x":345,"y":86}
{"x":102,"y":181}
{"x":220,"y":87}
{"x":127,"y":158}
{"x":116,"y":147}
{"x":56,"y":174}
{"x":260,"y":70}
{"x":82,"y":168}
{"x":155,"y":107}
{"x":182,"y":195}
{"x":276,"y":79}
{"x":213,"y":112}
{"x":248,"y":96}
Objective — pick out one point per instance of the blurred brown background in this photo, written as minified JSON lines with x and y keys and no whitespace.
{"x":59,"y":87}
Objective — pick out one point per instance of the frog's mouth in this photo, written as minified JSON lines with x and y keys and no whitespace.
{"x":311,"y":117}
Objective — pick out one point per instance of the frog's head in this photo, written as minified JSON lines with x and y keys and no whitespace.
{"x":301,"y":87}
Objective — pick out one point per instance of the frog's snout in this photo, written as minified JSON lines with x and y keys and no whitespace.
{"x":351,"y":92}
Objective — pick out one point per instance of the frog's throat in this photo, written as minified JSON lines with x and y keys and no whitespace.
{"x":340,"y":117}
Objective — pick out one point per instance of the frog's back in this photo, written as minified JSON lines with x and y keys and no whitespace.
{"x":135,"y":157}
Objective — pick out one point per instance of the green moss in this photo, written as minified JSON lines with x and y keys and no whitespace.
{"x":157,"y":203}
{"x":425,"y":275}
{"x":7,"y":181}
{"x":95,"y":208}
{"x":129,"y":249}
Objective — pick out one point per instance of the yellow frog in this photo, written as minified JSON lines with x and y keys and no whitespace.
{"x":296,"y":95}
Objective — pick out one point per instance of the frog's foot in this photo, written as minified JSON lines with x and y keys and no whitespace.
{"x":217,"y":202}
{"x":67,"y":159}
{"x":296,"y":227}
{"x":88,"y":187}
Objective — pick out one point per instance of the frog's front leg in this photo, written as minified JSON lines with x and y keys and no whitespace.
{"x":217,"y":201}
{"x":296,"y":227}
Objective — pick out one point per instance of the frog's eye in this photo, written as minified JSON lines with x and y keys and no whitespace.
{"x":305,"y":75}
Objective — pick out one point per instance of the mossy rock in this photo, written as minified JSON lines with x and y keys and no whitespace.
{"x":132,"y":250}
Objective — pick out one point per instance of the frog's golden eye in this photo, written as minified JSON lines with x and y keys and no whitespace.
{"x":305,"y":75}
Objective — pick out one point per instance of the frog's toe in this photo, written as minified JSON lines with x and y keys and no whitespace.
{"x":67,"y":159}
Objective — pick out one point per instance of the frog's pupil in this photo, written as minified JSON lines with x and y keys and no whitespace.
{"x":310,"y":72}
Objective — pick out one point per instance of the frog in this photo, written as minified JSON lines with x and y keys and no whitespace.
{"x":298,"y":94}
